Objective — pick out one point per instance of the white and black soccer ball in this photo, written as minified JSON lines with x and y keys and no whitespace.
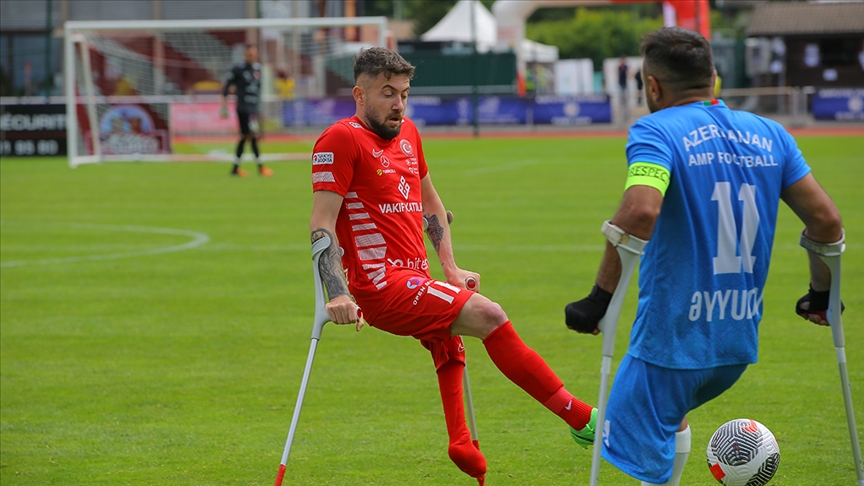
{"x":743,"y":452}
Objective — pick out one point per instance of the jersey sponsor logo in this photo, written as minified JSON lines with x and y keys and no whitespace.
{"x":385,"y":171}
{"x":401,"y":207}
{"x":355,"y":124}
{"x":322,"y":158}
{"x":421,"y":292}
{"x":416,"y":263}
{"x":385,"y":162}
{"x":404,"y":187}
{"x":377,"y":153}
{"x":414,"y":282}
{"x":406,"y":147}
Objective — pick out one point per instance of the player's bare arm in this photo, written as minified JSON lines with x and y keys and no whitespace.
{"x":822,"y":223}
{"x":439,"y":234}
{"x":636,"y":215}
{"x":341,"y":307}
{"x":435,"y":230}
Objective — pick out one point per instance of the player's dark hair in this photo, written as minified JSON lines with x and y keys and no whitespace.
{"x":377,"y":60}
{"x":678,"y":57}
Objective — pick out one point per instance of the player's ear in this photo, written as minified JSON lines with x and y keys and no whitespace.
{"x":358,"y":94}
{"x":655,"y":90}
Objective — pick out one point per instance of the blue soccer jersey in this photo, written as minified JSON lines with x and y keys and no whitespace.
{"x":703,"y":273}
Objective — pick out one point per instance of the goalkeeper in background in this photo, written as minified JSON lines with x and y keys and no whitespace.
{"x":246,"y":78}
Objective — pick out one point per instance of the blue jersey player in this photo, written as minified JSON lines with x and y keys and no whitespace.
{"x":703,"y":185}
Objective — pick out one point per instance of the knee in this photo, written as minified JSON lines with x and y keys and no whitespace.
{"x":479,"y":317}
{"x":494,"y":313}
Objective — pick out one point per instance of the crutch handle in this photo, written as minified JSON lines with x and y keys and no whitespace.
{"x":830,"y":254}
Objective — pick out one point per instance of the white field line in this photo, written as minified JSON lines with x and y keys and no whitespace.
{"x":197,"y":239}
{"x":501,"y":168}
{"x":301,"y":247}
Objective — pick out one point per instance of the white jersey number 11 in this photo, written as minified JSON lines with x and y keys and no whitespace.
{"x":727,"y":260}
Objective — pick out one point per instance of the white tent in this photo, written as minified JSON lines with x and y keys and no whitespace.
{"x":456,"y":26}
{"x":537,"y":52}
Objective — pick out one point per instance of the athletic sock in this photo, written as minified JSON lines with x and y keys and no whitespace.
{"x":682,"y":452}
{"x":255,"y":150}
{"x":240,"y":146}
{"x":524,"y":367}
{"x":462,"y":451}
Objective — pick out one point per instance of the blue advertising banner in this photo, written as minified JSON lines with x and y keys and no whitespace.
{"x":572,"y":110}
{"x":839,"y":104}
{"x":491,"y":110}
{"x":497,"y":110}
{"x":435,"y":110}
{"x":323,"y":112}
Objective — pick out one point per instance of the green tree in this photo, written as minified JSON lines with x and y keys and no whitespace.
{"x":595,"y":34}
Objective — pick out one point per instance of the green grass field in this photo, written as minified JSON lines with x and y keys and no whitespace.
{"x":156,"y":318}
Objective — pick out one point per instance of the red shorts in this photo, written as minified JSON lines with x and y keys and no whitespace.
{"x":412,"y":304}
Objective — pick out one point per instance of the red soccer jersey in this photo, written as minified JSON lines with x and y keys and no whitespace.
{"x":380,"y":224}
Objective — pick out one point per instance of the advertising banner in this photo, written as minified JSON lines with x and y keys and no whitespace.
{"x":302,"y":113}
{"x":491,"y":110}
{"x":202,"y":118}
{"x":30,"y":130}
{"x":131,"y":129}
{"x":839,"y":104}
{"x":435,"y":110}
{"x":572,"y":110}
{"x":498,"y":110}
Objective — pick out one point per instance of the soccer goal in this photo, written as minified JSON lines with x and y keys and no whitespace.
{"x":151,"y":90}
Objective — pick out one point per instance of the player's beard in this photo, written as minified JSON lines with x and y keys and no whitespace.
{"x":379,"y":126}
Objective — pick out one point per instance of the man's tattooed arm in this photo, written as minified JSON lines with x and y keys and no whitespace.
{"x":435,"y":231}
{"x":330,"y":265}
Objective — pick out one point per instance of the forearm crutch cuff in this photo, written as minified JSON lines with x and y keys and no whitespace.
{"x":824,"y":249}
{"x":620,"y":238}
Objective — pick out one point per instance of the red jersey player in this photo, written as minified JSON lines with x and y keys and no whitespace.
{"x":372,"y":188}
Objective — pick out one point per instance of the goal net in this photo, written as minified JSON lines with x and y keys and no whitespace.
{"x":152,"y":90}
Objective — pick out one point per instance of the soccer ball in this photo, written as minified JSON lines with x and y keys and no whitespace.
{"x":743,"y":452}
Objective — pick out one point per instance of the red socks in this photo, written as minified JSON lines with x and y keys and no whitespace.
{"x":462,"y":451}
{"x":449,"y":357}
{"x":524,"y":367}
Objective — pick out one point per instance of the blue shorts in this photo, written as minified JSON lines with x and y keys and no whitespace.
{"x":646,"y":407}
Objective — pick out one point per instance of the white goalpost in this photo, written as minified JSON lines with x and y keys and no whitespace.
{"x":151,"y":90}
